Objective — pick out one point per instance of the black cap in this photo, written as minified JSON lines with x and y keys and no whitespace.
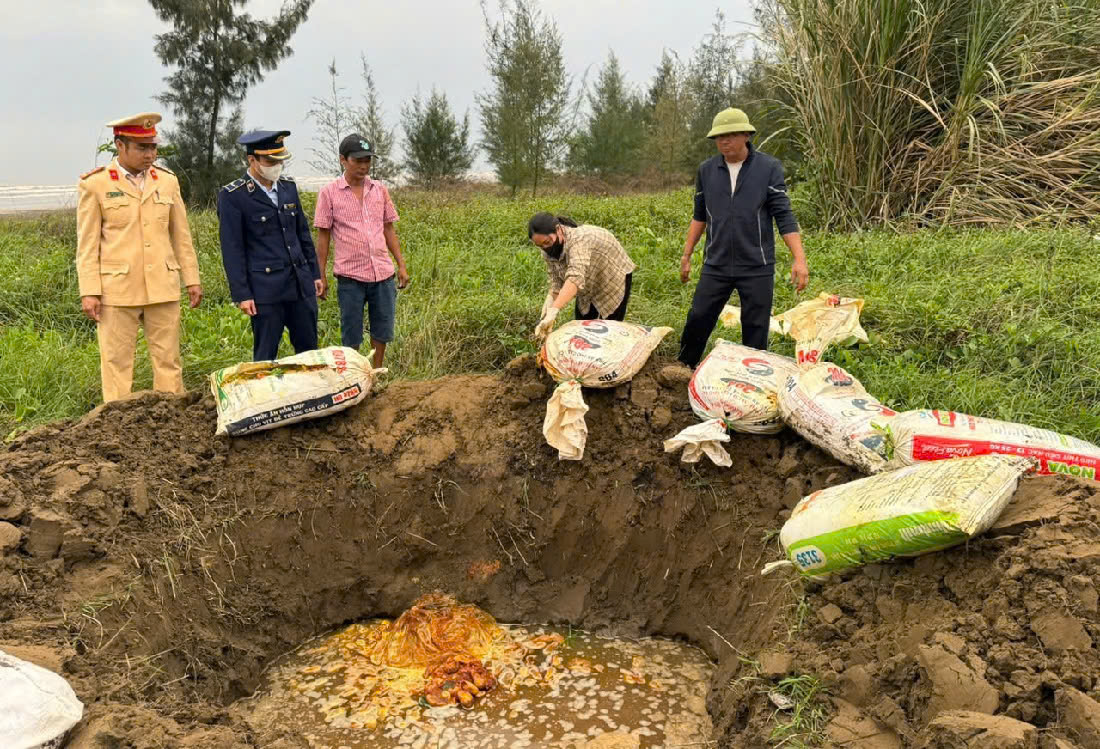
{"x":355,"y":146}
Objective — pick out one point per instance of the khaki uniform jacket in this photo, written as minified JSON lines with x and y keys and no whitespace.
{"x":133,"y":248}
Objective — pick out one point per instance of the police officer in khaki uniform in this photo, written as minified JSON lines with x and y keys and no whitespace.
{"x":133,"y":251}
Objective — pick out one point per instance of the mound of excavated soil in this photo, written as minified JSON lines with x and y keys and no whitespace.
{"x":160,"y":569}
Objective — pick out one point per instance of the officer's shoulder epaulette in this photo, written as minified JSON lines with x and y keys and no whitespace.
{"x":286,"y":179}
{"x":89,"y":174}
{"x":166,"y":170}
{"x":234,"y":184}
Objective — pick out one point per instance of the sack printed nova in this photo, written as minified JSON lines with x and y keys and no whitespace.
{"x":936,"y":435}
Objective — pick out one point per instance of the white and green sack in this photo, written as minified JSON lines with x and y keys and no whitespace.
{"x":907,"y":512}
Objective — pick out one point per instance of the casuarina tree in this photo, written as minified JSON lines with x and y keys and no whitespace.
{"x":525,"y":120}
{"x":371,"y":125}
{"x":437,"y":147}
{"x":610,"y":142}
{"x":217,"y":51}
{"x":668,"y":121}
{"x":333,"y":116}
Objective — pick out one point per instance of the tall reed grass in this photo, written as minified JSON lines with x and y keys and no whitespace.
{"x":942,"y":111}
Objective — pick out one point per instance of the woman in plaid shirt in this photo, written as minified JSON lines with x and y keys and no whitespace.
{"x":585,"y":263}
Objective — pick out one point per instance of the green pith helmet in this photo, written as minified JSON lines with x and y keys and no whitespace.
{"x":730,"y":121}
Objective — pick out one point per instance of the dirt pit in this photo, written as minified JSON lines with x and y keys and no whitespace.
{"x":162,"y":570}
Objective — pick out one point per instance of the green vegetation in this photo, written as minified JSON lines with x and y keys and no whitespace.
{"x":437,"y":147}
{"x":799,"y":704}
{"x":524,"y":115}
{"x":803,"y":725}
{"x":940,"y":111}
{"x":218,"y":52}
{"x":1004,"y":324}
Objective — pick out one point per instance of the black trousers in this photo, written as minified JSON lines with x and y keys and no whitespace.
{"x":594,"y":314}
{"x":298,"y":317}
{"x":711,"y":294}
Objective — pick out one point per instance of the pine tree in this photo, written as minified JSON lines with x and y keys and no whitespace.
{"x":218,"y":52}
{"x":610,"y":143}
{"x":372,"y":126}
{"x":524,"y":118}
{"x":436,"y":147}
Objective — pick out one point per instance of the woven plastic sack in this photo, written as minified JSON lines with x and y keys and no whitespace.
{"x":37,"y":707}
{"x":730,"y":316}
{"x":907,"y":512}
{"x":814,"y":325}
{"x":262,"y":395}
{"x":934,"y":435}
{"x":818,"y":323}
{"x":735,"y":388}
{"x":831,"y":409}
{"x":592,"y":353}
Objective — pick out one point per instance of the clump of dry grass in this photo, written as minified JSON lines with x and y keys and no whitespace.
{"x":943,"y":112}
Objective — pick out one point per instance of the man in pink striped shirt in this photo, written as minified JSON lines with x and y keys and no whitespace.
{"x":358,"y":212}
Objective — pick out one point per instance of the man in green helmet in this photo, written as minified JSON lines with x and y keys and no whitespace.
{"x":738,"y":194}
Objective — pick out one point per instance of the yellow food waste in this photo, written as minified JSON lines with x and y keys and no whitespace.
{"x":437,"y":628}
{"x":439,"y":652}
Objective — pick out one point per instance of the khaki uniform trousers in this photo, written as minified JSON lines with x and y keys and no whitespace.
{"x":117,"y":332}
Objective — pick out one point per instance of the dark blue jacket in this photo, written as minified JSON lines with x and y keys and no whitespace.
{"x":740,"y":238}
{"x":268,"y":252}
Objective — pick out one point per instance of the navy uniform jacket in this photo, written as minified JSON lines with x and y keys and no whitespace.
{"x":267,"y":251}
{"x":740,"y":238}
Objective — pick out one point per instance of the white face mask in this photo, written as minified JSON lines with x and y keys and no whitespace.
{"x":270,"y":172}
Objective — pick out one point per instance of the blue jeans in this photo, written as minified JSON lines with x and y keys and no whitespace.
{"x":380,"y":298}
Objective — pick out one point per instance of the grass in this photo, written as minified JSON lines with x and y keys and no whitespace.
{"x":1000,"y":323}
{"x":800,"y":722}
{"x":804,"y":724}
{"x":939,"y":111}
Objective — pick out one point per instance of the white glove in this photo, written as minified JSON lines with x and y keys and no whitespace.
{"x":543,"y":328}
{"x":546,"y":305}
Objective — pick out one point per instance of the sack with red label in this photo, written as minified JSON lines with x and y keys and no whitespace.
{"x":814,"y":325}
{"x":258,"y":395}
{"x":936,"y":435}
{"x":831,"y":409}
{"x":735,"y":388}
{"x":592,"y":353}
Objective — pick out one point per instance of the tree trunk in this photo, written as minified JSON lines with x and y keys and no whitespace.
{"x":212,"y":134}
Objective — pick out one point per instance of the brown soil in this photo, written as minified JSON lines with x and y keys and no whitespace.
{"x":160,"y":569}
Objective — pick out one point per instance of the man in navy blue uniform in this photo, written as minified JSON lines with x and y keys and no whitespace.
{"x":267,"y":249}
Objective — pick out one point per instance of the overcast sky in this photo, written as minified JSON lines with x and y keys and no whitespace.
{"x":72,"y":65}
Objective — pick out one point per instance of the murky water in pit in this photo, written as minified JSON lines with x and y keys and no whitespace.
{"x":651,"y":692}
